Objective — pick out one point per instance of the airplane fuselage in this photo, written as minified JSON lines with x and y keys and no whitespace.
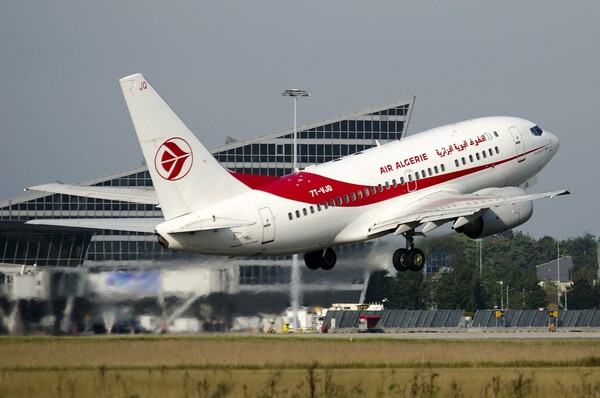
{"x":338,"y":202}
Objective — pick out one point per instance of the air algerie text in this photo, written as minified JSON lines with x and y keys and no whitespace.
{"x":403,"y":163}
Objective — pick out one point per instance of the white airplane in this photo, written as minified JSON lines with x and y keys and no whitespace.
{"x":471,"y":174}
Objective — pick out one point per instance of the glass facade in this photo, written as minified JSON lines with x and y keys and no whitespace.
{"x":269,"y":154}
{"x":317,"y":143}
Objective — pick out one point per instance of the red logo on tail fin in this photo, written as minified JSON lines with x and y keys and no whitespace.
{"x":174,"y":159}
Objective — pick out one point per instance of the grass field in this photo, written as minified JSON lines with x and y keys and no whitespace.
{"x":288,"y":366}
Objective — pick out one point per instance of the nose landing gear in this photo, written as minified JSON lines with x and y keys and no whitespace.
{"x":409,"y":258}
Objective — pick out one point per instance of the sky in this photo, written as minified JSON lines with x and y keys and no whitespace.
{"x":221,"y":66}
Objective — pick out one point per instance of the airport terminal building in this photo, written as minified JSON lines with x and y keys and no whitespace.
{"x":270,"y":154}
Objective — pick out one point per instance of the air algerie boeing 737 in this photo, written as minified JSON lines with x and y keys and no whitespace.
{"x":470,"y":174}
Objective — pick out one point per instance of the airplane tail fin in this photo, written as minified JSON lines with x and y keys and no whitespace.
{"x":185,"y":175}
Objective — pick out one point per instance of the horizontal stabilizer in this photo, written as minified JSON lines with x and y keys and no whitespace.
{"x":123,"y":194}
{"x":147,"y":225}
{"x":187,"y":224}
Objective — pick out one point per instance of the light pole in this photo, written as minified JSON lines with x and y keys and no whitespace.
{"x":558,"y":272}
{"x":501,"y":295}
{"x":480,"y":242}
{"x":295,"y":93}
{"x":295,"y":282}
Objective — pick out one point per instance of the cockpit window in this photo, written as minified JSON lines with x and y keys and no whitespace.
{"x":535,"y":130}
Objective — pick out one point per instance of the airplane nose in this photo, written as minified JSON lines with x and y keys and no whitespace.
{"x":555,"y":142}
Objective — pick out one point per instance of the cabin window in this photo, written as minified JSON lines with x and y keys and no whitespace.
{"x":401,"y":180}
{"x":387,"y":185}
{"x":297,"y":213}
{"x":443,"y":167}
{"x":353,"y":196}
{"x":373,"y":190}
{"x":367,"y":192}
{"x":464,"y":161}
{"x":380,"y":187}
{"x":332,"y":203}
{"x":423,"y":174}
{"x":410,"y":177}
{"x":304,"y":211}
{"x":471,"y":158}
{"x":497,"y":150}
{"x":417,"y":175}
{"x":491,"y":152}
{"x":456,"y":162}
{"x":360,"y":194}
{"x":318,"y":207}
{"x":290,"y":216}
{"x":429,"y":172}
{"x":339,"y":200}
{"x":484,"y":155}
{"x":436,"y":170}
{"x":477,"y":155}
{"x":394,"y":183}
{"x":312,"y":210}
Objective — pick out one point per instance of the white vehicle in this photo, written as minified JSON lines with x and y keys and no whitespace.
{"x":471,"y":174}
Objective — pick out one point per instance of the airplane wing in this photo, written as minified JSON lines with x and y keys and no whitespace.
{"x":124,"y":194}
{"x":441,"y":207}
{"x":147,"y":225}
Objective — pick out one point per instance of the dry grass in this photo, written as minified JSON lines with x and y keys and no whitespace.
{"x":286,"y":352}
{"x":289,"y":367}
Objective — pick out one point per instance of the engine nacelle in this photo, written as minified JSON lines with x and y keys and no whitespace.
{"x":501,"y":218}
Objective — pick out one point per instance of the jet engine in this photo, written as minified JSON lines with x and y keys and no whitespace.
{"x":501,"y":218}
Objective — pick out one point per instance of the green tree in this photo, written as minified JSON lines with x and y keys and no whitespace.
{"x":545,"y":250}
{"x":533,"y":295}
{"x":461,"y":287}
{"x":379,"y":287}
{"x":410,"y":291}
{"x":583,"y":250}
{"x":583,"y":294}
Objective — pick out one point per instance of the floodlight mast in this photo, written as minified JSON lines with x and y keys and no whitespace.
{"x":295,"y":282}
{"x":295,"y":93}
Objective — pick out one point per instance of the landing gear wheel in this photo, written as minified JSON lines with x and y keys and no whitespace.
{"x":312,"y":260}
{"x":415,"y":259}
{"x":320,"y":259}
{"x":328,"y":260}
{"x":398,"y":260}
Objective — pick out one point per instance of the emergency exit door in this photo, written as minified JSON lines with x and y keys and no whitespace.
{"x":268,"y":226}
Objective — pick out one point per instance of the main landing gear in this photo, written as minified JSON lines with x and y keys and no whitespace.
{"x":324,"y":259}
{"x":410,"y":258}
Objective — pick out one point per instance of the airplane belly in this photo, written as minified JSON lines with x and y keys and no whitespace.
{"x":224,"y":242}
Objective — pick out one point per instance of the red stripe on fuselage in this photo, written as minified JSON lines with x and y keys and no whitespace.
{"x":254,"y":181}
{"x":305,"y":187}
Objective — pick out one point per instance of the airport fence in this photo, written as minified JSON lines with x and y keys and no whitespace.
{"x":536,"y":318}
{"x":396,"y":319}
